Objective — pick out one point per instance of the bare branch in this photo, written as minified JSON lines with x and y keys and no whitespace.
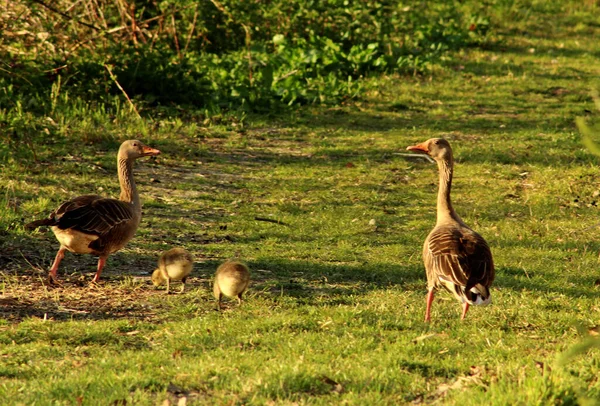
{"x":114,"y":78}
{"x":175,"y":36}
{"x":189,"y":37}
{"x":68,"y":17}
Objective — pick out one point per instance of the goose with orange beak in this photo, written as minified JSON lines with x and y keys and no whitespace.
{"x":92,"y":224}
{"x":456,"y":258}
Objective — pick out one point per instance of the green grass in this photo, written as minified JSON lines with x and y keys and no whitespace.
{"x":335,"y":310}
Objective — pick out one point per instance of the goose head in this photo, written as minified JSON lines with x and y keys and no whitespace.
{"x":437,"y":148}
{"x":133,"y":149}
{"x":157,"y":278}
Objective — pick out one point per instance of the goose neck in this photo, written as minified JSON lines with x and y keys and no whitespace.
{"x":445,"y":210}
{"x":129,"y":192}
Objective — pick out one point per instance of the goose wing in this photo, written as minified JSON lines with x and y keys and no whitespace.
{"x":92,"y":214}
{"x":461,"y":256}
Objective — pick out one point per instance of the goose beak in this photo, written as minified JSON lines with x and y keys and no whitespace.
{"x":149,"y":151}
{"x":420,"y":148}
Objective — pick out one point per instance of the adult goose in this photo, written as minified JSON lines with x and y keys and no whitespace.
{"x":92,"y":224}
{"x":456,"y":257}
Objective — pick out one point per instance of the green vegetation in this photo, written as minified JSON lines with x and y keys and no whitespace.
{"x":334,"y":313}
{"x":249,"y":55}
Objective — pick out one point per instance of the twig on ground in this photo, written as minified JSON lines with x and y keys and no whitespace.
{"x":584,"y":229}
{"x":268,"y":220}
{"x":65,"y":309}
{"x":29,"y":263}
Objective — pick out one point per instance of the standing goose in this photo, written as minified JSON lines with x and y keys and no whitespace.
{"x":456,"y":257}
{"x":91,"y":224}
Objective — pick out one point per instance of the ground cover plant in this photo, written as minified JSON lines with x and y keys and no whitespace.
{"x":216,"y":55}
{"x":335,"y":310}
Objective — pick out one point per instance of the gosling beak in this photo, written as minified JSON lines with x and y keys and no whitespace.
{"x":420,"y":148}
{"x":149,"y":151}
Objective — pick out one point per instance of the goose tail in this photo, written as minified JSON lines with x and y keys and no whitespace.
{"x":39,"y":223}
{"x":478,"y":295}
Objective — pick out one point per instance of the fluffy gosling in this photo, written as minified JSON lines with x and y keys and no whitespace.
{"x":173,"y":265}
{"x":232,"y":279}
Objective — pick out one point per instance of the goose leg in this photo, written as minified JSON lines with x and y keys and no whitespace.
{"x":101,"y":262}
{"x":239,"y":297}
{"x":59,"y":256}
{"x":428,"y":309}
{"x":182,"y":285}
{"x":168,"y":284}
{"x":465,"y":310}
{"x":217,"y":293}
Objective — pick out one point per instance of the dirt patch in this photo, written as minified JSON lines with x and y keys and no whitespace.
{"x":76,"y":298}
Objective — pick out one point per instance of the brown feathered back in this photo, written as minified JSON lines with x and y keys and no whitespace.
{"x":460,"y":260}
{"x":95,"y":215}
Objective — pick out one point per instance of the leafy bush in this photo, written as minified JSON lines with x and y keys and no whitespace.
{"x":251,"y":55}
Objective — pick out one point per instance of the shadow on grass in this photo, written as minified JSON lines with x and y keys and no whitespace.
{"x":25,"y":261}
{"x":26,"y":292}
{"x":533,"y":151}
{"x":27,"y":295}
{"x":427,"y":370}
{"x":504,"y":68}
{"x":519,"y":279}
{"x":306,"y":278}
{"x":482,"y":121}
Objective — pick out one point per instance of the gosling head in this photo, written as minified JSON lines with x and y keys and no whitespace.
{"x":437,"y":148}
{"x":157,"y":277}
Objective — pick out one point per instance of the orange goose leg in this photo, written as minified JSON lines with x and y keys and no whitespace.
{"x":428,"y":309}
{"x":59,"y":256}
{"x":101,"y":262}
{"x":465,"y":310}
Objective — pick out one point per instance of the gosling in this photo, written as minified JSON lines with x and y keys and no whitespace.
{"x":173,"y":265}
{"x":232,"y":279}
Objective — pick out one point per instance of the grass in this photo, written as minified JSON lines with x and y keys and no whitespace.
{"x":334,"y":314}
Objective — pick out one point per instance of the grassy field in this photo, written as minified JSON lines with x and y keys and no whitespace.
{"x":335,"y":311}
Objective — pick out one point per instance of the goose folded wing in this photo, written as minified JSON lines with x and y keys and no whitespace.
{"x":460,"y":257}
{"x":92,"y":214}
{"x":480,"y":261}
